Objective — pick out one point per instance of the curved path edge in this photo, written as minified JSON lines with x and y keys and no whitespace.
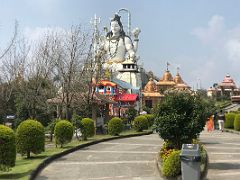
{"x":47,"y":161}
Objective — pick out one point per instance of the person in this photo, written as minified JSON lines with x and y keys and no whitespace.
{"x":221,"y":120}
{"x":210,"y":125}
{"x":118,"y":46}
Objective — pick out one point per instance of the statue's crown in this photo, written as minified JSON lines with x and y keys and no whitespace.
{"x":116,"y":18}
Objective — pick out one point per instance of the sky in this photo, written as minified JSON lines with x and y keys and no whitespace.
{"x":202,"y":38}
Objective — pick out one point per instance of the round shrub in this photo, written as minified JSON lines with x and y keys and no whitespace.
{"x":87,"y":128}
{"x":63,"y":132}
{"x":30,"y":137}
{"x":140,"y":123}
{"x":115,"y":126}
{"x":150,"y":118}
{"x":181,"y":117}
{"x":229,"y":120}
{"x":172,"y":165}
{"x":237,"y":122}
{"x":7,"y":148}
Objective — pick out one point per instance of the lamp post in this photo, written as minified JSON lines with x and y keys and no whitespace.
{"x":119,"y":109}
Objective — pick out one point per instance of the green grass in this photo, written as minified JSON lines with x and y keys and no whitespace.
{"x":24,"y":166}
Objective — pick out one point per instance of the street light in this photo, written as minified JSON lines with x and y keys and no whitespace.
{"x":119,"y":109}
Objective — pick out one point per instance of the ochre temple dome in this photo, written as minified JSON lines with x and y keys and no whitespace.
{"x":150,"y":86}
{"x":167,"y":76}
{"x":178,"y":79}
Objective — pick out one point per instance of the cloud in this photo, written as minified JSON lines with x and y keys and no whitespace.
{"x":233,"y":49}
{"x":223,"y":45}
{"x":212,"y":31}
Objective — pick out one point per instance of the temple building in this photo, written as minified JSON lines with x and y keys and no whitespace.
{"x":122,"y":93}
{"x":166,"y":82}
{"x":153,"y":92}
{"x":227,"y":88}
{"x":150,"y":95}
{"x":180,"y":84}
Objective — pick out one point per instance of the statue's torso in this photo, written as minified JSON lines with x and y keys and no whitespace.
{"x":116,"y":50}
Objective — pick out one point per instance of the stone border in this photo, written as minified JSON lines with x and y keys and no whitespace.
{"x":232,"y":131}
{"x":47,"y":161}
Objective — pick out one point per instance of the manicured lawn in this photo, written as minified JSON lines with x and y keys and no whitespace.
{"x":24,"y":166}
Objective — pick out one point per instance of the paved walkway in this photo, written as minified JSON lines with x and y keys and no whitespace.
{"x":134,"y":158}
{"x":224,"y":155}
{"x":123,"y":159}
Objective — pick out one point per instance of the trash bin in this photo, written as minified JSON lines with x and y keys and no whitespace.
{"x":190,"y":162}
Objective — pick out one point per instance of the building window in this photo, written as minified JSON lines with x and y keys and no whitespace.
{"x":148,"y":103}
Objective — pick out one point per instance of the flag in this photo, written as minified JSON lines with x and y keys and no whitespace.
{"x":168,"y":64}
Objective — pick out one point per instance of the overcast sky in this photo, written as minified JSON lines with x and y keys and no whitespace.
{"x":200,"y":37}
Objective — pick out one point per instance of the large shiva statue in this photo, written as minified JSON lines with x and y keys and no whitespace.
{"x":118,"y":46}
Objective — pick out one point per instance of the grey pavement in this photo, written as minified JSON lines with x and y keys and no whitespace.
{"x":134,"y":159}
{"x":224,"y":155}
{"x":131,"y":158}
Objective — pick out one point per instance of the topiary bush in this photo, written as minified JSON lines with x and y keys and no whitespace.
{"x":63,"y":132}
{"x":115,"y":126}
{"x":87,"y":128}
{"x":172,"y":165}
{"x":237,"y":122}
{"x":140,"y":123}
{"x":181,"y":117}
{"x":30,"y":137}
{"x":150,"y":118}
{"x":229,"y":120}
{"x":7,"y":148}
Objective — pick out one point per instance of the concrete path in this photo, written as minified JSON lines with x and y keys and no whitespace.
{"x":224,"y":155}
{"x":134,"y":158}
{"x":123,"y":159}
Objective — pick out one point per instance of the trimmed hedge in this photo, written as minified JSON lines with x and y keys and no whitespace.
{"x":237,"y":122}
{"x":140,"y":123}
{"x":115,"y":126}
{"x":87,"y":128}
{"x":229,"y":120}
{"x":63,"y":132}
{"x":7,"y":148}
{"x":30,"y":137}
{"x":172,"y":165}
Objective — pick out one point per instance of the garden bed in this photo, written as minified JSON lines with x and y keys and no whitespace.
{"x":203,"y":166}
